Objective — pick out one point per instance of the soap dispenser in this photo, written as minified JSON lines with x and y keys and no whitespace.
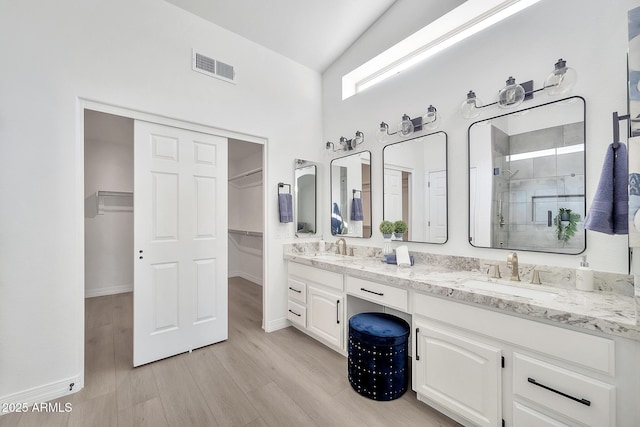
{"x":584,"y":276}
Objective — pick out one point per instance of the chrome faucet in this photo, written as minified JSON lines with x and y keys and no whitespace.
{"x":512,"y":261}
{"x":344,"y":247}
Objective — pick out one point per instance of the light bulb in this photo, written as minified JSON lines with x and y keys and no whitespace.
{"x":431,"y":120}
{"x":381,"y":133}
{"x":561,"y":80}
{"x":511,"y":95}
{"x":359,"y":138}
{"x":406,"y":126}
{"x":345,"y":143}
{"x":469,"y":107}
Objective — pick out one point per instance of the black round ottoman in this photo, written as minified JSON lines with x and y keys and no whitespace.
{"x":378,"y":355}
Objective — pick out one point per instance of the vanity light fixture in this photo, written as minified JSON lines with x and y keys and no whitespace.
{"x":559,"y":82}
{"x":407,"y":126}
{"x":346,"y":144}
{"x":511,"y":95}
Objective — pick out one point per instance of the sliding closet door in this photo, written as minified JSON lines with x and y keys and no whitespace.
{"x":180,"y":241}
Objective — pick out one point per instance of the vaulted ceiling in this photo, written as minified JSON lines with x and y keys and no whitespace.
{"x":311,"y":32}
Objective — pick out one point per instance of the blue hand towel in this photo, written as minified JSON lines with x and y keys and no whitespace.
{"x":285,"y":207}
{"x":609,"y":209}
{"x":356,"y":209}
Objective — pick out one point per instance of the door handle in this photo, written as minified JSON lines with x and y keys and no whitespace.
{"x":417,"y":332}
{"x":338,"y":312}
{"x":140,"y":252}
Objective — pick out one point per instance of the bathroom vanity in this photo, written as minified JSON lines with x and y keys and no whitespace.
{"x":484,"y":353}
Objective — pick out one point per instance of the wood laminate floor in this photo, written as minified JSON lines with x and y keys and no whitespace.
{"x":254,"y":379}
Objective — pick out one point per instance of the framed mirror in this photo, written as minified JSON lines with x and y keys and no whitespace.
{"x":351,"y":195}
{"x":305,"y":194}
{"x":415,"y":187}
{"x":527,"y":179}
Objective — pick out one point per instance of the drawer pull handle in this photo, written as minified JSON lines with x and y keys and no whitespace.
{"x":583,"y":401}
{"x":295,"y":290}
{"x":293,"y":312}
{"x":338,"y":312}
{"x":372,"y":292}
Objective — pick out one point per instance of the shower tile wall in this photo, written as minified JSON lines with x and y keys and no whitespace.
{"x":531,"y":188}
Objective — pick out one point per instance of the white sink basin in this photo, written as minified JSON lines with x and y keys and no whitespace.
{"x":538,"y":294}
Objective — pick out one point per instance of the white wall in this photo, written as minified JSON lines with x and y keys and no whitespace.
{"x":109,"y":236}
{"x":590,"y":35}
{"x":135,"y":55}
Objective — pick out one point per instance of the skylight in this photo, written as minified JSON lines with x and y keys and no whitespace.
{"x":465,"y":20}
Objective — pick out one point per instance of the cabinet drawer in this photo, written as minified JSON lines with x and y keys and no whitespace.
{"x":377,"y":292}
{"x":525,"y":416}
{"x":297,"y":313}
{"x":322,"y":277}
{"x":297,"y":290}
{"x":573,"y":395}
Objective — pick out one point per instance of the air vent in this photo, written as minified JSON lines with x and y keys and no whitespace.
{"x":212,"y":67}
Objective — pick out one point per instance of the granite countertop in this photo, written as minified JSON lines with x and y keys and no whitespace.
{"x":603,"y":312}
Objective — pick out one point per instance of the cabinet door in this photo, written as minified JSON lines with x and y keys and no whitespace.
{"x":325,"y":315}
{"x":458,"y":373}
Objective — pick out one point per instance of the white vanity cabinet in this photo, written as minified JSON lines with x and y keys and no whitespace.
{"x":316,"y":303}
{"x":457,"y":372}
{"x":325,"y":315}
{"x":480,"y":367}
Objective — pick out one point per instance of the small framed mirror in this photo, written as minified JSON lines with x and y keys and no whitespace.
{"x":305,"y":194}
{"x":415,"y":187}
{"x":351,"y":195}
{"x":527,"y":179}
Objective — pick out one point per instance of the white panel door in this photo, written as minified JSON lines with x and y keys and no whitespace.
{"x":437,"y":223}
{"x":180,"y":240}
{"x":458,"y":373}
{"x":392,"y":194}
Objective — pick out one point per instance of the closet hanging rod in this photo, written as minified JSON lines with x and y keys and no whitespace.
{"x":616,"y":127}
{"x":245,"y":174}
{"x":245,"y":232}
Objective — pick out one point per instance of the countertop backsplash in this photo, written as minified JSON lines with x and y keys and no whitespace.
{"x":561,"y":277}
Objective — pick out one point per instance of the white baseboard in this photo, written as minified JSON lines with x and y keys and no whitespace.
{"x":254,"y":279}
{"x":43,"y":393}
{"x":108,"y":290}
{"x":277,"y":324}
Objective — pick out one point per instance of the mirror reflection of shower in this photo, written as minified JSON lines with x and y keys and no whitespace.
{"x":508,"y":174}
{"x":511,"y":174}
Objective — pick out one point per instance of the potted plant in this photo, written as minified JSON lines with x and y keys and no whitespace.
{"x":386,"y":228}
{"x":566,"y":223}
{"x":399,"y":228}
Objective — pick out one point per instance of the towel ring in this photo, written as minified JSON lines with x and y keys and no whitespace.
{"x":354,"y":191}
{"x":281,"y":185}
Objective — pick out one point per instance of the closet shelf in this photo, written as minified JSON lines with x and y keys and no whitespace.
{"x":114,"y":201}
{"x":245,"y":232}
{"x":252,"y":178}
{"x":245,"y":174}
